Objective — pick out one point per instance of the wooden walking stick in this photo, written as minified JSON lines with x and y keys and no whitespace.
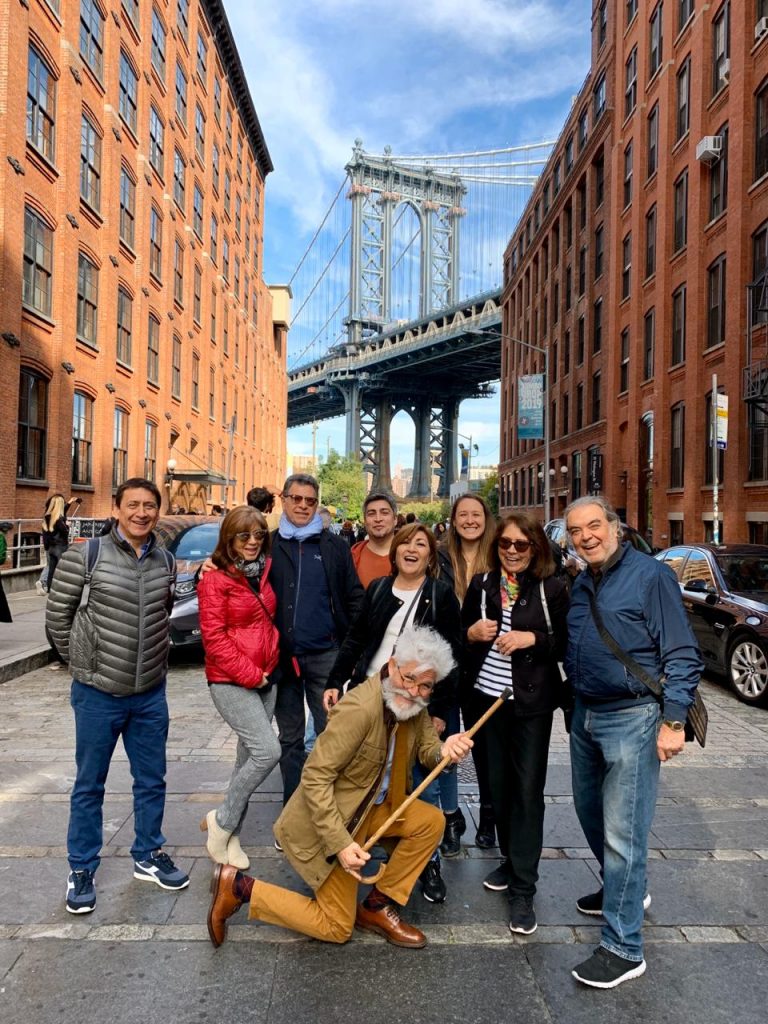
{"x":371,"y":879}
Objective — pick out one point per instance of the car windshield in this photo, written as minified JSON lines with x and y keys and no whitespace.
{"x":197,"y":543}
{"x":744,"y":574}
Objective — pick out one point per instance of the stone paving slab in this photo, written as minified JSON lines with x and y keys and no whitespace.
{"x":704,"y":828}
{"x":24,"y":823}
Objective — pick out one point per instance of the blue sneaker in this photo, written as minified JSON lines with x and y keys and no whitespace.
{"x":160,"y":869}
{"x":81,"y":892}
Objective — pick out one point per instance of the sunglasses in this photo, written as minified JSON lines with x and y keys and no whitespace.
{"x":520,"y":546}
{"x":247,"y":534}
{"x":299,"y":499}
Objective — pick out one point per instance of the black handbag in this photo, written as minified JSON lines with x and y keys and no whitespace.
{"x":698,"y":716}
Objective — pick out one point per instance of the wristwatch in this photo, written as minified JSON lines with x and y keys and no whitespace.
{"x":674,"y":726}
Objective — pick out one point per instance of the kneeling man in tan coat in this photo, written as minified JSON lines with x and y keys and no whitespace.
{"x":358,"y":773}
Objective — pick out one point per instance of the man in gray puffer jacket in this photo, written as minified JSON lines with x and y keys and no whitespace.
{"x":108,"y":615}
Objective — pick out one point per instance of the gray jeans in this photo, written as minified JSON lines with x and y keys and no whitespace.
{"x":249,"y":713}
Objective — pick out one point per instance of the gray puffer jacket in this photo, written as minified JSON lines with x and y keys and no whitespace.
{"x":119,"y":641}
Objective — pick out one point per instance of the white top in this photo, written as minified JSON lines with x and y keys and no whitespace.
{"x":403,"y":617}
{"x":496,"y":671}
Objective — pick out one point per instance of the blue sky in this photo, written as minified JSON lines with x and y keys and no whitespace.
{"x":432,"y":76}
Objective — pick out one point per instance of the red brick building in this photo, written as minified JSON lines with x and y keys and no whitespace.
{"x":632,"y":266}
{"x":137,"y":334}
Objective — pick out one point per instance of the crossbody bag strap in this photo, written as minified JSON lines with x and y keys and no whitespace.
{"x":545,"y":607}
{"x":627,"y":660}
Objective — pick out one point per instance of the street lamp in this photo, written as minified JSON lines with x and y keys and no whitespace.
{"x":170,"y":466}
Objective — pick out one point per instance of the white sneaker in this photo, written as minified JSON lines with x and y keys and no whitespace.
{"x":40,"y":589}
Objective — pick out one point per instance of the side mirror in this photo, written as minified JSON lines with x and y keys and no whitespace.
{"x":698,"y":587}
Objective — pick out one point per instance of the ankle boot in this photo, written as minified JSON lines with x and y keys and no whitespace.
{"x":485,"y":837}
{"x":455,"y":827}
{"x":236,"y":855}
{"x":218,"y":838}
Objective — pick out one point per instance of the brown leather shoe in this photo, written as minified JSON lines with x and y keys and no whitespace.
{"x":387,"y":922}
{"x":224,"y":903}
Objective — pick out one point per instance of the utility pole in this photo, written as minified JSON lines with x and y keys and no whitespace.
{"x":314,"y":447}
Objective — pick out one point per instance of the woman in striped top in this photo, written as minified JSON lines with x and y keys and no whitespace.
{"x":514,"y":621}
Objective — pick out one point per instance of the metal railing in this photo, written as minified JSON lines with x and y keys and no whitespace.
{"x":25,"y":541}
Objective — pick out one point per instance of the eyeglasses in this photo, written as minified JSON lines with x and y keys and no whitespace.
{"x":246,"y":535}
{"x":425,"y":689}
{"x":520,"y":546}
{"x":300,"y":499}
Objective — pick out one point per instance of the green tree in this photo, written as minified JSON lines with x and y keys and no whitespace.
{"x":342,"y":483}
{"x":427,"y":512}
{"x":490,"y":491}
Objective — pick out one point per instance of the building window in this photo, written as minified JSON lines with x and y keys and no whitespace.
{"x":38,"y":263}
{"x":214,"y":237}
{"x":630,"y":83}
{"x":565,"y":414}
{"x":757,"y":428}
{"x":202,"y":58}
{"x":155,"y":243}
{"x":721,"y":47}
{"x":653,"y":140}
{"x":684,"y":12}
{"x":176,"y":367}
{"x":599,"y":251}
{"x":82,"y":439}
{"x":556,"y":179}
{"x":596,"y":397}
{"x":716,"y":302}
{"x":197,"y":294}
{"x":179,"y":179}
{"x":225,"y":258}
{"x":718,"y":178}
{"x":681,"y":211}
{"x":124,"y":327}
{"x":41,"y":106}
{"x":182,"y":19}
{"x":649,"y":343}
{"x":212,"y":392}
{"x":181,"y":95}
{"x":150,"y":450}
{"x":92,"y":36}
{"x":631,"y":10}
{"x":178,"y":272}
{"x":131,"y":8}
{"x":568,"y":288}
{"x":582,"y":270}
{"x":217,"y":100}
{"x":87,"y":299}
{"x":228,"y":131}
{"x":227,"y":191}
{"x":650,"y":241}
{"x":579,"y":407}
{"x":624,"y":362}
{"x":153,"y":350}
{"x":597,"y":327}
{"x":683,"y":99}
{"x":90,"y":163}
{"x":215,"y":168}
{"x":567,"y":352}
{"x":626,"y":266}
{"x":127,"y":208}
{"x":32,"y":432}
{"x":599,"y":181}
{"x":677,"y":446}
{"x":128,"y":100}
{"x":583,"y":129}
{"x":678,"y":325}
{"x":156,"y":141}
{"x":213,"y":315}
{"x":761,"y":132}
{"x":656,"y":40}
{"x":581,"y":327}
{"x":599,"y":98}
{"x":195,"y":380}
{"x":199,"y":132}
{"x":576,"y":475}
{"x":628,"y":162}
{"x":224,"y":403}
{"x":120,"y":448}
{"x":708,"y":455}
{"x":238,"y":214}
{"x":759,"y":267}
{"x":602,"y":23}
{"x":157,"y":46}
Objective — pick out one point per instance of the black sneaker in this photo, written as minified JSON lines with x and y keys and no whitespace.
{"x":432,"y":885}
{"x":498,"y":880}
{"x":160,"y":869}
{"x":81,"y":892}
{"x":522,"y":919}
{"x":455,"y":827}
{"x":593,"y":904}
{"x":606,"y":970}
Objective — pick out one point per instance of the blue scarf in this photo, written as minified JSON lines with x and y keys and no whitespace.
{"x":288,"y":531}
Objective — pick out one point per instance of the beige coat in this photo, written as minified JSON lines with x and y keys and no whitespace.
{"x":342,"y":776}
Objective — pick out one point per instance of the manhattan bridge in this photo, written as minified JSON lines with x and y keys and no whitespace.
{"x":397,"y":300}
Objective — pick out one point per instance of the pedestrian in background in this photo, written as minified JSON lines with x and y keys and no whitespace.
{"x":56,"y":531}
{"x":371,"y":555}
{"x":466,"y":549}
{"x":237,"y":613}
{"x":5,"y":611}
{"x":515,"y":621}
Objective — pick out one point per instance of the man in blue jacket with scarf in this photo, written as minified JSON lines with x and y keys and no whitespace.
{"x":620,"y":732}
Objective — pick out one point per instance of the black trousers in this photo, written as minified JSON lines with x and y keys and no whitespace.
{"x":517,"y":749}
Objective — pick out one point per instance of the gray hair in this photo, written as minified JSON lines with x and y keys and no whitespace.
{"x":304,"y":479}
{"x":427,"y":648}
{"x":593,"y":499}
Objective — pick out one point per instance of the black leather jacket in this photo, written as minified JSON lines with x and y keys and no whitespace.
{"x":437,"y":607}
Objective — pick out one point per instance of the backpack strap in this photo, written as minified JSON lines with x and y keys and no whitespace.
{"x":92,"y":555}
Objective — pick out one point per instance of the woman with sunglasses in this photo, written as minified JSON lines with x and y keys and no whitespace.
{"x":237,"y":610}
{"x":514,"y":619}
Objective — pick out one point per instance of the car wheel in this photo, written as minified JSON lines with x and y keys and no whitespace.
{"x":748,"y":671}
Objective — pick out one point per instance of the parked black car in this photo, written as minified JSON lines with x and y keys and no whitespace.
{"x":725,"y":592}
{"x":573,"y":563}
{"x":190,"y":539}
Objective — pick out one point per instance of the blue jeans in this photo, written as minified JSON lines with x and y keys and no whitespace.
{"x":100,"y":719}
{"x":289,"y":711}
{"x":615,"y":769}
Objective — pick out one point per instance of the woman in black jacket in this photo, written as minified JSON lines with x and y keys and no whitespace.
{"x":514,"y":619}
{"x":412,"y":595}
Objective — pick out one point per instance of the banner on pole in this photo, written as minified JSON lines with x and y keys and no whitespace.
{"x":722,"y":422}
{"x":530,"y":407}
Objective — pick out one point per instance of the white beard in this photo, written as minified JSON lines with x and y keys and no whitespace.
{"x":390,"y":694}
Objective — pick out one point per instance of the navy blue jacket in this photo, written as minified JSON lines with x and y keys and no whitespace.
{"x":640,"y":604}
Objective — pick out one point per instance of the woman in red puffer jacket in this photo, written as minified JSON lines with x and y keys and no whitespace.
{"x":237,"y":611}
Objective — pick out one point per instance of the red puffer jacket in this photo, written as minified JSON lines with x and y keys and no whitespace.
{"x":239,"y":634}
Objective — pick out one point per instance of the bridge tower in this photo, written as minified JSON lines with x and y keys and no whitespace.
{"x":378,"y":186}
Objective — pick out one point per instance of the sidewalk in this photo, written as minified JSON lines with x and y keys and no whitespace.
{"x":144,"y":954}
{"x":23,"y":646}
